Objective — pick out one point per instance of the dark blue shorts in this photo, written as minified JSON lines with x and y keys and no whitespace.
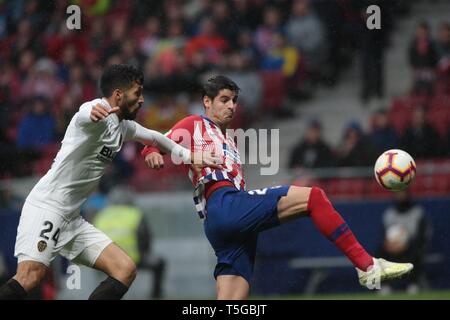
{"x":234,"y":219}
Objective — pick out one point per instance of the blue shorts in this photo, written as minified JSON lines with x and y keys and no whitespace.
{"x":234,"y":219}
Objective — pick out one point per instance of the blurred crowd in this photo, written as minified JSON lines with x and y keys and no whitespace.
{"x":278,"y":51}
{"x":360,"y":148}
{"x":275,"y":50}
{"x":418,"y":122}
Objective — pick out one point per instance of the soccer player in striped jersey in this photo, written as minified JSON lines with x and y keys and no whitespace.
{"x":50,"y":222}
{"x":233,"y":217}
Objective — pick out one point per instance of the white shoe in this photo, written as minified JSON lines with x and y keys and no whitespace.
{"x":382,"y":270}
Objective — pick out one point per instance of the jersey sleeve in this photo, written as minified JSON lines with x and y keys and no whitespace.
{"x":130,"y":130}
{"x":84,"y":115}
{"x":180,"y":133}
{"x":155,"y":138}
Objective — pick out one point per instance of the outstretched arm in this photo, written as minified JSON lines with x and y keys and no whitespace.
{"x":89,"y":115}
{"x":181,"y":133}
{"x":153,"y":138}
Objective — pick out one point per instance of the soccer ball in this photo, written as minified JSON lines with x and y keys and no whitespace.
{"x":394,"y":170}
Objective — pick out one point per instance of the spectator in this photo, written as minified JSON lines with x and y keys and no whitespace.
{"x":249,"y":82}
{"x":357,"y":149}
{"x":224,"y":20}
{"x":247,"y":13}
{"x":407,"y":232}
{"x":443,"y":49}
{"x":443,"y":44}
{"x":383,"y":135}
{"x":207,"y":47}
{"x":265,"y":36}
{"x":42,"y":81}
{"x":305,"y":31}
{"x":38,"y":127}
{"x":148,"y":37}
{"x":126,"y":225}
{"x":312,"y":151}
{"x":423,"y":58}
{"x":281,"y":57}
{"x":373,"y":43}
{"x":420,"y":139}
{"x":247,"y":48}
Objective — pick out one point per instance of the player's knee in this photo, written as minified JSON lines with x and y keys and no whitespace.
{"x":127,"y":271}
{"x":132,"y":271}
{"x":317,"y":197}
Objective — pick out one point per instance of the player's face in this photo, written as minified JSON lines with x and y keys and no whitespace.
{"x":222,"y":108}
{"x":132,"y":101}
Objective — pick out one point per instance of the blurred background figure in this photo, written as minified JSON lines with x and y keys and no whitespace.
{"x":407,"y":232}
{"x":356,"y":148}
{"x":306,"y":32}
{"x":126,"y":225}
{"x":312,"y":151}
{"x":372,"y":47}
{"x":423,"y":58}
{"x":383,"y":135}
{"x":443,"y":49}
{"x":420,"y":138}
{"x":40,"y":117}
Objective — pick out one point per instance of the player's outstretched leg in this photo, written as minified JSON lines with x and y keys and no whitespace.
{"x":329,"y":222}
{"x":28,"y":276}
{"x":121,"y":271}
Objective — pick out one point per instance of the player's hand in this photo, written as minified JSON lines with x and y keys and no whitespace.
{"x":100,"y":112}
{"x":206,"y":158}
{"x":154,"y":160}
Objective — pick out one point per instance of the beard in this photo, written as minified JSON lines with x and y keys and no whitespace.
{"x":129,"y":115}
{"x":128,"y":112}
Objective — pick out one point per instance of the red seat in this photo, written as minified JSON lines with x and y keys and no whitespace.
{"x":400,"y":120}
{"x":273,"y":89}
{"x":440,"y":101}
{"x":439,"y":118}
{"x":377,"y":191}
{"x":400,"y":113}
{"x":348,"y":188}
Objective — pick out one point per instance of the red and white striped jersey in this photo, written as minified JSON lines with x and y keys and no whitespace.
{"x":199,"y":133}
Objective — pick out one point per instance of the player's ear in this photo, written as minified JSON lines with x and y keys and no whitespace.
{"x":206,"y":101}
{"x":118,"y":96}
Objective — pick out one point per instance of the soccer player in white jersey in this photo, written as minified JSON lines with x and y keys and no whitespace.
{"x":50,"y":222}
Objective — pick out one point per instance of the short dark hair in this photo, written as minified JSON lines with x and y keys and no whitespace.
{"x":213,"y":85}
{"x":119,"y":76}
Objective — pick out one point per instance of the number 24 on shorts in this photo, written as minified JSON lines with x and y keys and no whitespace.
{"x":48,"y":229}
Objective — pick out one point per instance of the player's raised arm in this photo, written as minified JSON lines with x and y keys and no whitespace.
{"x":89,"y":115}
{"x":181,"y":133}
{"x":154,"y":138}
{"x":100,"y":112}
